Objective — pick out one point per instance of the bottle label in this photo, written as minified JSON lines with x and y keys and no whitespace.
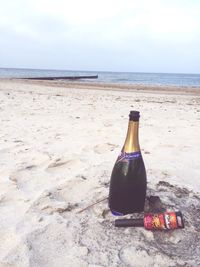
{"x":129,"y":156}
{"x":162,"y":221}
{"x":116,"y":213}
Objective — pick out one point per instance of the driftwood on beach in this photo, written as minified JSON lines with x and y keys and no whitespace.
{"x":62,"y":77}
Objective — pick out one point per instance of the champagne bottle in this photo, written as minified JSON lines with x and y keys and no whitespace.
{"x":128,"y":180}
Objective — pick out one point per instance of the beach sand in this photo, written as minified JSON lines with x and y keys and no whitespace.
{"x":58,"y":145}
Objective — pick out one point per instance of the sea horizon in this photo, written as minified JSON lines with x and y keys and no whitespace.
{"x":124,"y":77}
{"x":81,"y":70}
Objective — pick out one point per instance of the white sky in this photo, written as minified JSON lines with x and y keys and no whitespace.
{"x":128,"y":35}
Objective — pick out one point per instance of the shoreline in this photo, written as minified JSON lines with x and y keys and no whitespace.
{"x":176,"y":90}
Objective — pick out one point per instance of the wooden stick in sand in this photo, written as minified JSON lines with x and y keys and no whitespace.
{"x":93,"y":204}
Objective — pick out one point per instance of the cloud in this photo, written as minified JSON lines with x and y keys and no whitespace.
{"x":102,"y":28}
{"x":104,"y":20}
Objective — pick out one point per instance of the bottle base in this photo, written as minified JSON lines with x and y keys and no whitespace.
{"x":116,"y":213}
{"x":119,"y":213}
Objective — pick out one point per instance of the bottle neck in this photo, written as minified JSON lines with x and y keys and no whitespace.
{"x":132,"y":142}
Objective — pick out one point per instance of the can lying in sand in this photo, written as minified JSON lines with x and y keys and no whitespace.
{"x":159,"y":221}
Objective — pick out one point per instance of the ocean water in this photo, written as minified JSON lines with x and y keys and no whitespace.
{"x":191,"y":80}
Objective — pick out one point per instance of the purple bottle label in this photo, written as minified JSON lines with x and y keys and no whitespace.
{"x":129,"y":156}
{"x":116,"y":213}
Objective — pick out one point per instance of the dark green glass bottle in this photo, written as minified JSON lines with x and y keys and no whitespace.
{"x":128,"y":180}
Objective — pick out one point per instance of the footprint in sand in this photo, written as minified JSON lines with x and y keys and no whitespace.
{"x":104,"y":148}
{"x":63,"y":164}
{"x":108,"y":124}
{"x":64,"y":198}
{"x":130,"y":255}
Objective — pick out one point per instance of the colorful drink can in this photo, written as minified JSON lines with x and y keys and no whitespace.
{"x":163,"y":221}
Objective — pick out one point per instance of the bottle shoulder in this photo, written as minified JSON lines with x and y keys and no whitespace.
{"x":133,"y":167}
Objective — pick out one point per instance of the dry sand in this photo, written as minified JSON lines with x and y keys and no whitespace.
{"x":57,"y":148}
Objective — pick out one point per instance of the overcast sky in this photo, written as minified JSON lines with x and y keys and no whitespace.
{"x":126,"y":35}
